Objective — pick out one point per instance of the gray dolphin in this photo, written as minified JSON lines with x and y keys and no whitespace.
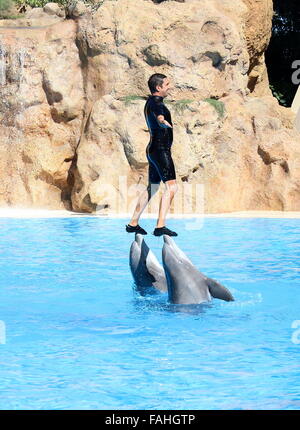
{"x":186,"y":284}
{"x":147,"y":273}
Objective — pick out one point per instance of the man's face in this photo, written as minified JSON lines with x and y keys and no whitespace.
{"x":163,"y":91}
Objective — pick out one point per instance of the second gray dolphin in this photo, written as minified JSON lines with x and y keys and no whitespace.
{"x":186,"y":284}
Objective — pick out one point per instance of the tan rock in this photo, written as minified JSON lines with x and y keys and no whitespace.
{"x":73,"y":130}
{"x":41,"y":115}
{"x":258,"y":29}
{"x":77,"y":9}
{"x":54,"y":9}
{"x":36,"y":12}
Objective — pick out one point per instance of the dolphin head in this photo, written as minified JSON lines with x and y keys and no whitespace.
{"x":139,"y":239}
{"x":137,"y":261}
{"x":177,"y":252}
{"x":147,"y":273}
{"x":186,"y":285}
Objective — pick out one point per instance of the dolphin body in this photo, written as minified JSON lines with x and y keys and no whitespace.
{"x":186,"y":284}
{"x":147,"y":273}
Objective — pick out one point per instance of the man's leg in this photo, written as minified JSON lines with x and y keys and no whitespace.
{"x":142,"y":202}
{"x":166,"y":200}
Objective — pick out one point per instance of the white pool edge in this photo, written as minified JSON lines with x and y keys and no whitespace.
{"x":47,"y":213}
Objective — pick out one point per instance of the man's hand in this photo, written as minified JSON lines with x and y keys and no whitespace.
{"x":161,"y":119}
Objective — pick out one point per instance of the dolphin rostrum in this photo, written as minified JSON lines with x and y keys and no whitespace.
{"x":186,"y":284}
{"x":147,"y":273}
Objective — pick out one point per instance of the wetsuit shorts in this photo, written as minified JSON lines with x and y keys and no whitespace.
{"x":161,"y":165}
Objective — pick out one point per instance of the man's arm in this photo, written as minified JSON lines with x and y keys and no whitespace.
{"x":158,"y":110}
{"x":163,"y":122}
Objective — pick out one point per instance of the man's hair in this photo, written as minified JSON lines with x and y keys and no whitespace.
{"x":154,"y":80}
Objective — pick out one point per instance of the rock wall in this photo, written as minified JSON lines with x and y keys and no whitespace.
{"x":257,"y":29}
{"x":79,"y":131}
{"x":41,"y":113}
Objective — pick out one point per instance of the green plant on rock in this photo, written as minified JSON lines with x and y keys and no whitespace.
{"x":40,"y":3}
{"x":129,"y":99}
{"x":217,"y":104}
{"x":5,"y":6}
{"x":180,"y":105}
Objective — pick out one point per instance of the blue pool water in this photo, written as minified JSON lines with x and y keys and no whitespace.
{"x":79,"y":337}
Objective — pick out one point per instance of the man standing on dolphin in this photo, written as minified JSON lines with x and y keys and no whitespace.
{"x":158,"y":152}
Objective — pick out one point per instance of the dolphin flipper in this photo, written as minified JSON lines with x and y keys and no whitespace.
{"x":218,"y":291}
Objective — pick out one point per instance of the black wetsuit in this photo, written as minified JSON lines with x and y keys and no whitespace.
{"x":158,"y":151}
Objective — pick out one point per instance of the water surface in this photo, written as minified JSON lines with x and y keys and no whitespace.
{"x":79,"y":337}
